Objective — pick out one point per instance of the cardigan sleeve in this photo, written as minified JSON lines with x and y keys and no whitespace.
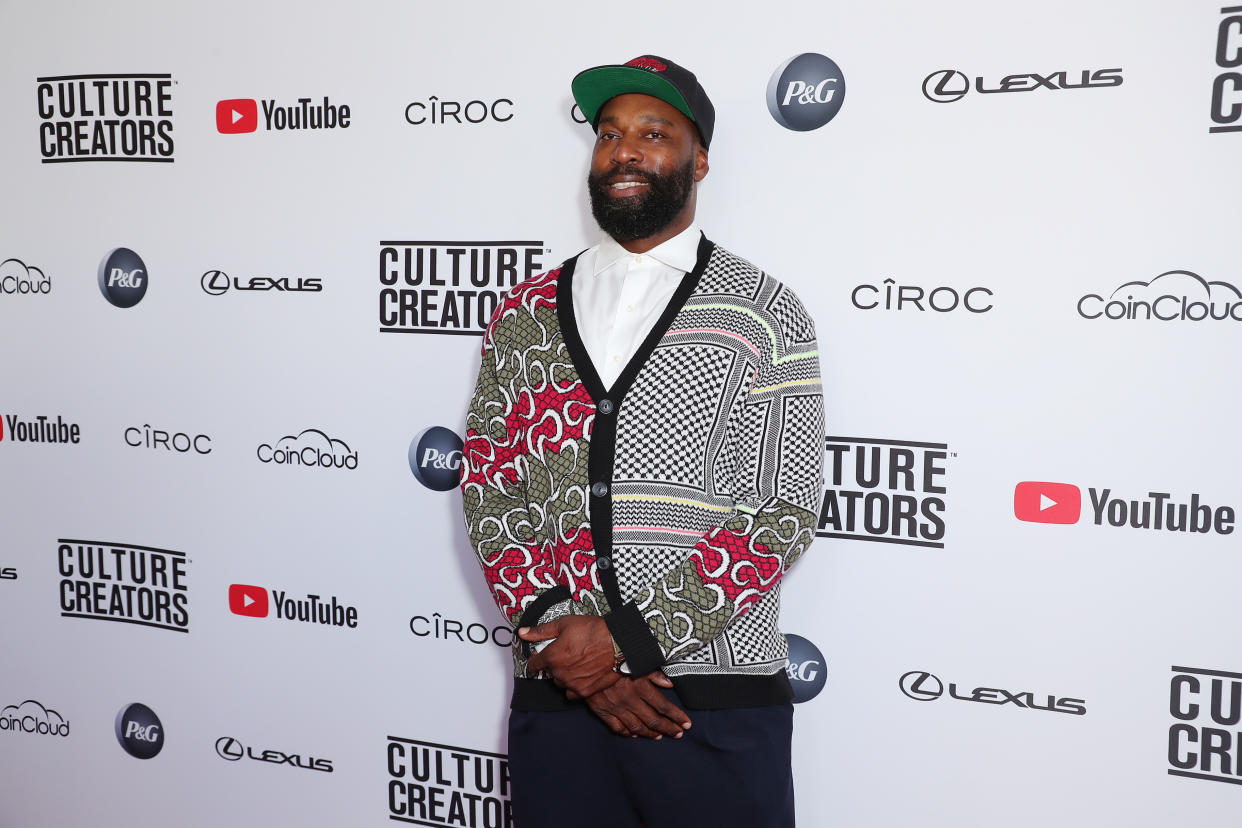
{"x":519,"y":571}
{"x":777,"y":432}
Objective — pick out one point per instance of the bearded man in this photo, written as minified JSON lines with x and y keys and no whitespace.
{"x":642,"y":466}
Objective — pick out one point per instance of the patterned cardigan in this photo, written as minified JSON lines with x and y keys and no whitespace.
{"x":671,"y":503}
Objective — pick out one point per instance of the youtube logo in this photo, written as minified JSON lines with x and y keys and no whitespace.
{"x":248,"y":600}
{"x":237,"y":115}
{"x":1040,"y":502}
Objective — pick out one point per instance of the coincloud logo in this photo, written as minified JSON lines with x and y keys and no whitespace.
{"x":139,"y":731}
{"x":123,"y":278}
{"x":1173,"y":296}
{"x":435,"y":458}
{"x":18,"y":277}
{"x":32,"y":717}
{"x":311,"y":448}
{"x":807,"y":669}
{"x":806,"y":92}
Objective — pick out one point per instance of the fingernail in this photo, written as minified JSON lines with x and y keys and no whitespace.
{"x":523,"y":630}
{"x":676,"y":735}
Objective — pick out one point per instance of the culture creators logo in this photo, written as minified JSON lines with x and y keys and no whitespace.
{"x":447,"y":287}
{"x":1039,"y":501}
{"x":311,"y":448}
{"x":231,"y":750}
{"x":139,"y":731}
{"x":435,"y":458}
{"x":18,"y":279}
{"x":32,"y":717}
{"x":1173,"y":296}
{"x":123,"y":278}
{"x":806,"y":669}
{"x":949,"y":85}
{"x":1204,"y":740}
{"x":806,"y":92}
{"x":122,"y":582}
{"x":435,"y":784}
{"x":126,"y":117}
{"x":890,"y":491}
{"x":921,"y":685}
{"x":1227,"y":87}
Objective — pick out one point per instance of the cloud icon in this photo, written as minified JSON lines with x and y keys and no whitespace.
{"x":316,"y":439}
{"x":1176,"y":283}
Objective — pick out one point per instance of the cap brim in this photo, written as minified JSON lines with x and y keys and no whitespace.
{"x":592,"y":88}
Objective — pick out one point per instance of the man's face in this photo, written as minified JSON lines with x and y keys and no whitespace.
{"x":646,"y":161}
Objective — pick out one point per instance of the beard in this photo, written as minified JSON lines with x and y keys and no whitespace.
{"x":640,"y":216}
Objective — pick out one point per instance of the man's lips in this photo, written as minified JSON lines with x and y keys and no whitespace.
{"x":626,"y":187}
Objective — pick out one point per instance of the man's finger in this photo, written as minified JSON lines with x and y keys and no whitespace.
{"x":664,"y":707}
{"x":659,"y":678}
{"x":613,"y":724}
{"x":543,"y":632}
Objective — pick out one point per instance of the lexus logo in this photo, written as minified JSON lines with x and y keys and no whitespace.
{"x":214,"y":282}
{"x":921,"y":686}
{"x":229,"y":748}
{"x":945,"y":86}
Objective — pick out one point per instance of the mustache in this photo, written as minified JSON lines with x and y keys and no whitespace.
{"x":628,"y":171}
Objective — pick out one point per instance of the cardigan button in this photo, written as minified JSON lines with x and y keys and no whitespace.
{"x":605,"y":406}
{"x":605,"y":563}
{"x":600,"y":489}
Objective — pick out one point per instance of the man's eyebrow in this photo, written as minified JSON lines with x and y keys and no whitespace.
{"x":650,"y":119}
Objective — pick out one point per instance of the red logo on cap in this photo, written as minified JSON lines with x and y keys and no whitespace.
{"x":647,"y":63}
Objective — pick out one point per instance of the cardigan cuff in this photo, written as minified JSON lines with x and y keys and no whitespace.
{"x":641,"y":650}
{"x":534,"y":612}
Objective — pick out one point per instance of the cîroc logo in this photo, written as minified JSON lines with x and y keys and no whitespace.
{"x":1173,"y":296}
{"x":139,"y":731}
{"x":806,"y":92}
{"x":807,"y":669}
{"x":435,"y":458}
{"x":123,"y":278}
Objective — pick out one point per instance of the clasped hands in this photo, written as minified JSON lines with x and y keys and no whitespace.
{"x":580,"y":662}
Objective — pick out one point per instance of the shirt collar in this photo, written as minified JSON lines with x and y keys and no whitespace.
{"x":681,"y":252}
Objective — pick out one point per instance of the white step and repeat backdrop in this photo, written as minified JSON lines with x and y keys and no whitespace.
{"x":248,"y":248}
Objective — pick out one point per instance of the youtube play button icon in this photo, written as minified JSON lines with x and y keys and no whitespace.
{"x":245,"y":599}
{"x":1041,"y":502}
{"x":237,"y":115}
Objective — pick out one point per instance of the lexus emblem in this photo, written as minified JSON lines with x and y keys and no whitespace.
{"x":945,"y":86}
{"x":921,"y":686}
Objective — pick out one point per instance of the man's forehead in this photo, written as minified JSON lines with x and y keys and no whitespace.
{"x":642,"y":107}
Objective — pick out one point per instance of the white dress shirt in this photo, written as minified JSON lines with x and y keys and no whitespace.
{"x":619,"y":296}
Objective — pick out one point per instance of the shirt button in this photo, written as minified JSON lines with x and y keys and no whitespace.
{"x":616,"y":357}
{"x":600,"y":489}
{"x":605,"y":406}
{"x":629,"y":308}
{"x":605,"y":563}
{"x":638,"y":259}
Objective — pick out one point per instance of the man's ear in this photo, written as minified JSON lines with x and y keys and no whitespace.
{"x":700,"y":163}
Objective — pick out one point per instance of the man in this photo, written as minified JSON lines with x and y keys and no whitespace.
{"x":643,"y":463}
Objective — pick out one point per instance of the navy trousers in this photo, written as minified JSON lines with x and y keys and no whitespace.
{"x":731,"y":768}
